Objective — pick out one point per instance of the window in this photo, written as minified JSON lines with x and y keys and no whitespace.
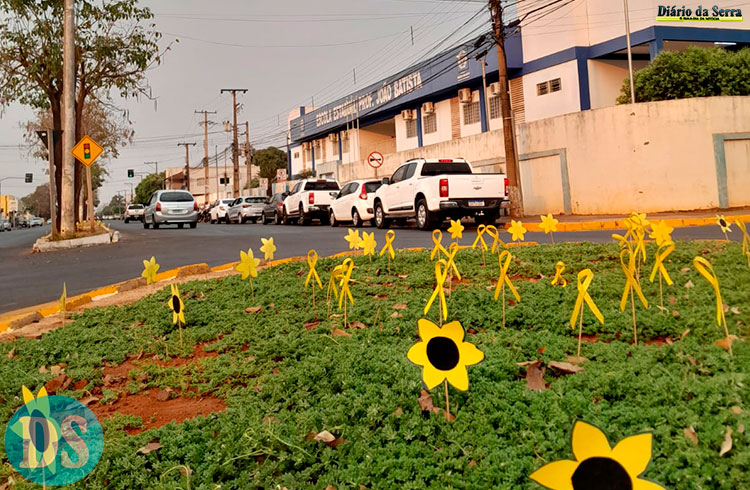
{"x":471,"y":113}
{"x":411,"y":128}
{"x":549,"y":86}
{"x":495,"y":111}
{"x":176,"y":197}
{"x":344,"y":143}
{"x":296,"y":154}
{"x":455,"y":168}
{"x":430,"y":123}
{"x":296,"y":187}
{"x":398,"y":176}
{"x":255,"y":200}
{"x":372,"y":186}
{"x":410,"y":171}
{"x":322,"y":185}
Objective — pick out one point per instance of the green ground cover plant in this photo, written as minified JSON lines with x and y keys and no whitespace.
{"x":284,"y":377}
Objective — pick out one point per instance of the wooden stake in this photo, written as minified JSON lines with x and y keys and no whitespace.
{"x":447,"y":400}
{"x":661,"y":293}
{"x":726,"y":331}
{"x":503,"y":305}
{"x":632,"y":309}
{"x":580,"y":331}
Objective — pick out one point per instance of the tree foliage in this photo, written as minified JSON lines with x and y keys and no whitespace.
{"x":115,"y":207}
{"x":37,"y":203}
{"x":269,"y":160}
{"x":695,"y":72}
{"x":149,"y":184}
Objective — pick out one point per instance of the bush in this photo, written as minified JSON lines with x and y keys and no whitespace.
{"x":695,"y":72}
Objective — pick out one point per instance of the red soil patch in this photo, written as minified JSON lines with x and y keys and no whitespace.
{"x":155,"y":413}
{"x":123,"y":369}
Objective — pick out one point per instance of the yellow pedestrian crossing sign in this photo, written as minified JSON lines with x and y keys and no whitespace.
{"x":87,"y":151}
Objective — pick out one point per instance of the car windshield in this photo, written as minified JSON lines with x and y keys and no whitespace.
{"x":227,"y":201}
{"x":322,"y":185}
{"x":135,"y":206}
{"x":255,"y":200}
{"x":455,"y":168}
{"x":372,"y":186}
{"x":176,"y":197}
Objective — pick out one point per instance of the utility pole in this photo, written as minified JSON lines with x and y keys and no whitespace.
{"x":248,"y":156}
{"x":156,"y":168}
{"x":511,"y":164}
{"x":235,"y":152}
{"x":187,"y":163}
{"x":206,"y":189}
{"x":67,"y":191}
{"x":630,"y":52}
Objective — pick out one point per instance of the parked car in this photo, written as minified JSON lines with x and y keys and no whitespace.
{"x":246,"y":208}
{"x":272,"y":211}
{"x":166,"y":207}
{"x":354,"y":203}
{"x":309,"y":200}
{"x":134,"y":212}
{"x":4,"y":225}
{"x":36,"y":221}
{"x":22,"y":222}
{"x":219,"y":210}
{"x":432,"y":190}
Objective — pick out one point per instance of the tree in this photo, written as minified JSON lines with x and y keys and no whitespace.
{"x":37,"y":203}
{"x":269,"y":160}
{"x":695,"y":72}
{"x":113,"y":51}
{"x":149,"y":184}
{"x":115,"y":207}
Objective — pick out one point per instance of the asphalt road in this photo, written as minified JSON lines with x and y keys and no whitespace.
{"x":27,"y":279}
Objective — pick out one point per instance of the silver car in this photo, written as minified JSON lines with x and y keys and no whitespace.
{"x":171,"y":207}
{"x":4,"y":224}
{"x":246,"y":208}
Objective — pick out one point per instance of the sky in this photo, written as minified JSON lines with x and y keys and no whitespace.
{"x":286,"y":54}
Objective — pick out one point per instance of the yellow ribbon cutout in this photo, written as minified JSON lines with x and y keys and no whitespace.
{"x":389,"y":236}
{"x":312,"y":260}
{"x":559,"y":268}
{"x":745,"y":240}
{"x":437,"y":239}
{"x":336,"y":275}
{"x":584,"y":281}
{"x":480,"y":231}
{"x":441,"y":273}
{"x":662,"y":253}
{"x":347,"y":268}
{"x":495,"y":235}
{"x":453,"y":249}
{"x":706,"y":270}
{"x":630,"y":283}
{"x":504,"y":279}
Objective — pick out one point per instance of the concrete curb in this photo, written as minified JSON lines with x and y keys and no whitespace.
{"x":619,"y":224}
{"x":44,"y":245}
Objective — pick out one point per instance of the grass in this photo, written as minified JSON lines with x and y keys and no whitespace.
{"x":282,"y":381}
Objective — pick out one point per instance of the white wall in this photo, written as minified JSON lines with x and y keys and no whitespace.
{"x":402,"y":142}
{"x":606,"y":78}
{"x":297,"y":155}
{"x":565,"y":101}
{"x":470,"y":129}
{"x":443,"y":133}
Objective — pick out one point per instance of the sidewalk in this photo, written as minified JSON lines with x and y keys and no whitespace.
{"x":617,"y":222}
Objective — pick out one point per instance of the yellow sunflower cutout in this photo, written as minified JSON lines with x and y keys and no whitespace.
{"x":178,"y":309}
{"x":444,"y":355}
{"x":517,"y":230}
{"x":353,"y":238}
{"x":598,"y":465}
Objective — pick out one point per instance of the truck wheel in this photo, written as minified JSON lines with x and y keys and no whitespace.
{"x":303,"y":220}
{"x":426,"y":220}
{"x":380,"y":220}
{"x":356,"y":219}
{"x":193,"y":224}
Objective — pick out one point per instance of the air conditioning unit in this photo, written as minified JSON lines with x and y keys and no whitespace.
{"x":495,"y":89}
{"x":333,"y":138}
{"x":305,"y":145}
{"x":345,"y":135}
{"x":464,"y":95}
{"x":407,"y":114}
{"x":428,"y":107}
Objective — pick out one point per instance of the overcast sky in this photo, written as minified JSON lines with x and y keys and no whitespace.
{"x":284,"y":53}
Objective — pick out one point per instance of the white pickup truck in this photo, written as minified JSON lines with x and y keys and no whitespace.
{"x":309,"y":199}
{"x":432,"y":190}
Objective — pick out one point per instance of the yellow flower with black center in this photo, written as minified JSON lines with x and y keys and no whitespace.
{"x":177,"y":306}
{"x":598,"y":465}
{"x":443,"y":354}
{"x":725,"y":225}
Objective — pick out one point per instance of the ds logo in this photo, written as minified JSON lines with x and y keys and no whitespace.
{"x":53,"y":440}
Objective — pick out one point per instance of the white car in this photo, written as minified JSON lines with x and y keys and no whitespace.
{"x":432,"y":190}
{"x":354,"y":203}
{"x":246,"y":208}
{"x":219,"y":210}
{"x":134,"y":212}
{"x":309,"y":200}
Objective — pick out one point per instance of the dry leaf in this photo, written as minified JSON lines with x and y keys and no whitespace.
{"x":736,"y":410}
{"x":400,"y":306}
{"x":735,"y":310}
{"x":163,"y":395}
{"x":403,"y":276}
{"x":689,"y":284}
{"x":311,"y":325}
{"x":675,"y":313}
{"x":565,"y":367}
{"x":525,"y":363}
{"x":449,"y":416}
{"x":726,"y":342}
{"x":690,"y":434}
{"x":542,"y":349}
{"x":89,"y":400}
{"x":535,"y":377}
{"x":357,"y":325}
{"x":253,"y":309}
{"x":339,"y":332}
{"x":425,"y":402}
{"x":672,"y":300}
{"x":43,"y":370}
{"x":685,"y":269}
{"x":472,"y":463}
{"x":57,"y":384}
{"x":56,"y":370}
{"x":396,"y":314}
{"x":576,"y":359}
{"x":269,"y":419}
{"x":11,"y":353}
{"x":324,"y":436}
{"x":398,"y":412}
{"x":726,"y":446}
{"x":151,"y":446}
{"x":662,"y":308}
{"x":684,"y":334}
{"x":336,"y":315}
{"x":726,"y":307}
{"x":741,"y":429}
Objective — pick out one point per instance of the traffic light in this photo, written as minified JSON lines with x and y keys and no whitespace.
{"x":131,"y":174}
{"x":29,"y":178}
